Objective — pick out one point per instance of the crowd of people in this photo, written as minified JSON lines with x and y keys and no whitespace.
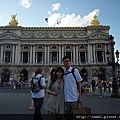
{"x":104,"y":87}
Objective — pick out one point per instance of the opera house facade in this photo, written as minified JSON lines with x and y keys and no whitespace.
{"x":24,"y":49}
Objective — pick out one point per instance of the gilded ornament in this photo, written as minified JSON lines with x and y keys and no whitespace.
{"x":95,"y":22}
{"x":13,"y":22}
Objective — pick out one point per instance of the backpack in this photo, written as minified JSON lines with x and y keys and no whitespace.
{"x":72,"y":71}
{"x":35,"y":84}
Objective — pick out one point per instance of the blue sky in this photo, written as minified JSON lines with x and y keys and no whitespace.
{"x":32,"y":13}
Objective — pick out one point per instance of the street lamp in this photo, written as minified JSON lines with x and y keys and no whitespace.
{"x":117,"y":55}
{"x":115,"y":92}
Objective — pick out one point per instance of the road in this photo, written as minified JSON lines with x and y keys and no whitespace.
{"x":15,"y":103}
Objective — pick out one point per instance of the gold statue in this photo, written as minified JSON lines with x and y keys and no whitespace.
{"x":13,"y":22}
{"x":95,"y":22}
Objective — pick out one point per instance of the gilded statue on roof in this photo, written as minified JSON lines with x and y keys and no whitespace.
{"x":94,"y":21}
{"x":13,"y":22}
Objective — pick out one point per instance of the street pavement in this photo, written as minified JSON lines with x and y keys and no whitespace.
{"x":14,"y":103}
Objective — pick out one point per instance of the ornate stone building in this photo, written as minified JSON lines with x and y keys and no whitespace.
{"x":24,"y":49}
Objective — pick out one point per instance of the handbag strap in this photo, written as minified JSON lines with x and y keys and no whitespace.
{"x":79,"y":103}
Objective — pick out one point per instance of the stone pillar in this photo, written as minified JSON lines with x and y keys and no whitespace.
{"x":13,"y":52}
{"x":31,"y":55}
{"x":45,"y":57}
{"x":71,"y":57}
{"x":77,"y":54}
{"x":4,"y":56}
{"x":48,"y":55}
{"x":91,"y":54}
{"x":62,"y":51}
{"x":105,"y":53}
{"x":19,"y":53}
{"x":1,"y":53}
{"x":79,"y":58}
{"x":73,"y":54}
{"x":22,"y":58}
{"x":59,"y":54}
{"x":28,"y":57}
{"x":94,"y":53}
{"x":88,"y":53}
{"x":16,"y":54}
{"x":36,"y":57}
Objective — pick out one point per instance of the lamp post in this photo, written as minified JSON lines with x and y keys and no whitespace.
{"x":115,"y":92}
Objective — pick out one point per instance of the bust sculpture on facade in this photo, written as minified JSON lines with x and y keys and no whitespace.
{"x":13,"y":22}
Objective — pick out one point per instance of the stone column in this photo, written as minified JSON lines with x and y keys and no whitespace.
{"x":59,"y":54}
{"x":13,"y":52}
{"x":19,"y":53}
{"x":36,"y":56}
{"x":71,"y":57}
{"x":45,"y":56}
{"x":48,"y":55}
{"x":62,"y":51}
{"x":77,"y":54}
{"x":28,"y":57}
{"x":94,"y":53}
{"x":4,"y":56}
{"x":88,"y":53}
{"x":73,"y":54}
{"x":22,"y":58}
{"x":79,"y":58}
{"x":16,"y":53}
{"x":105,"y":53}
{"x":31,"y":55}
{"x":91,"y":55}
{"x":1,"y":53}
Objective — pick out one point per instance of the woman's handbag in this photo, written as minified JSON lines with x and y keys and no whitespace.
{"x":82,"y":110}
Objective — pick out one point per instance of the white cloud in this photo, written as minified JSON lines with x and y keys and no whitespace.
{"x":25,"y":3}
{"x":71,"y":20}
{"x":56,"y":6}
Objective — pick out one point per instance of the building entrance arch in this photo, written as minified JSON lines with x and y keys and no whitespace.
{"x":5,"y":76}
{"x":84,"y":75}
{"x":24,"y":76}
{"x":101,"y":74}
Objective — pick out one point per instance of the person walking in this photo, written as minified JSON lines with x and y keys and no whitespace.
{"x":55,"y":103}
{"x":93,"y":85}
{"x":99,"y":84}
{"x":38,"y":96}
{"x":108,"y":85}
{"x":72,"y":88}
{"x":104,"y":88}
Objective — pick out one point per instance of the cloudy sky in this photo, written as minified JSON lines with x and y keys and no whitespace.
{"x":62,"y":13}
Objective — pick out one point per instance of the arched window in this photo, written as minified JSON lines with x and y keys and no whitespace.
{"x":99,"y":46}
{"x":8,"y":46}
{"x":68,"y":47}
{"x":25,"y":47}
{"x":82,"y":47}
{"x":40,"y":46}
{"x":54,"y":47}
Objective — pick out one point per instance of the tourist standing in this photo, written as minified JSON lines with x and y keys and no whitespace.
{"x":55,"y":103}
{"x":38,"y":96}
{"x":72,"y":87}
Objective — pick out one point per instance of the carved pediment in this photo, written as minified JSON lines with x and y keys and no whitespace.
{"x":99,"y":36}
{"x":8,"y":36}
